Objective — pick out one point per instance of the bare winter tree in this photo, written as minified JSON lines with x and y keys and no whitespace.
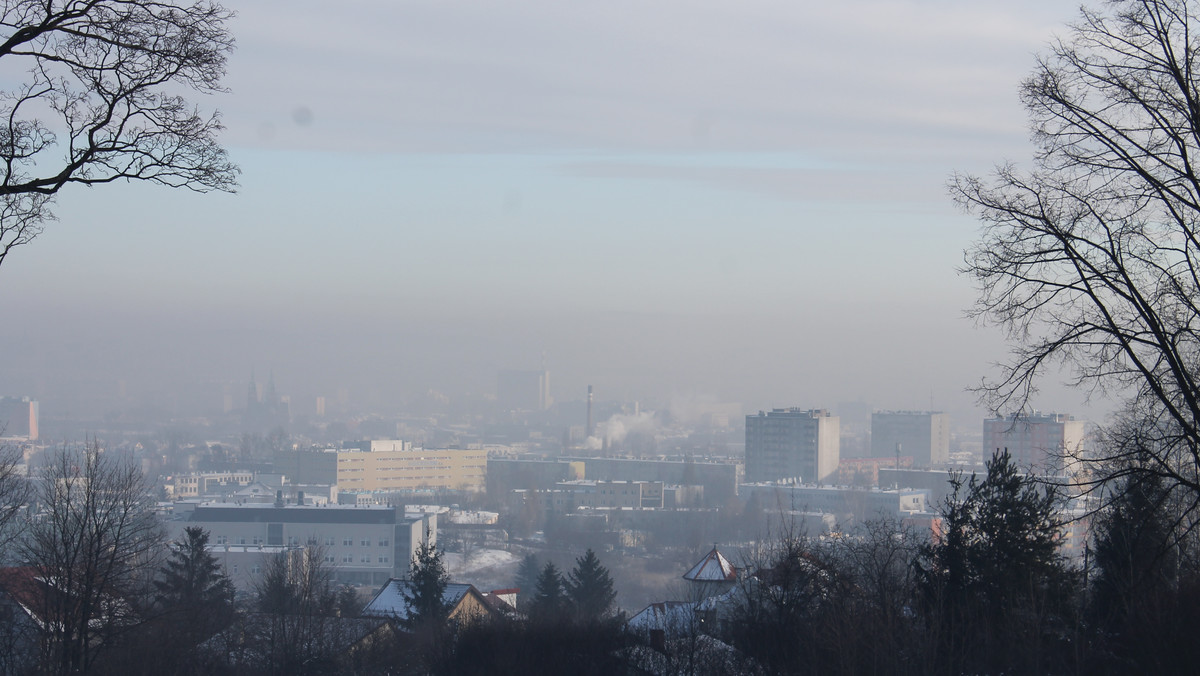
{"x":91,"y":543}
{"x":14,"y":494}
{"x":100,"y":100}
{"x":1091,"y":260}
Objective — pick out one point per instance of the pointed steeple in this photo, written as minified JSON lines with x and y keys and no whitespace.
{"x":252,"y":393}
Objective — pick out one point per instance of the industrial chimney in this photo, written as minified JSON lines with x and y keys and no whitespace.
{"x":589,"y":417}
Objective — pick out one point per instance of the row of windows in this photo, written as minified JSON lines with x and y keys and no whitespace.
{"x":295,"y":541}
{"x":362,"y":559}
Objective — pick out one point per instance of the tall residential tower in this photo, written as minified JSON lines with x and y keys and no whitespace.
{"x":792,"y":443}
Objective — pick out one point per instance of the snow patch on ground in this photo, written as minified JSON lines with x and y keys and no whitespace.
{"x":480,"y":560}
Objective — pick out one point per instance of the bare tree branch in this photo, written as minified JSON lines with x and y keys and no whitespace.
{"x":1089,"y":260}
{"x":101,"y":101}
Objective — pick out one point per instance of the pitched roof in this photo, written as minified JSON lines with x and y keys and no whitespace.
{"x":390,"y":602}
{"x":714,"y":567}
{"x":675,"y":617}
{"x":43,"y":600}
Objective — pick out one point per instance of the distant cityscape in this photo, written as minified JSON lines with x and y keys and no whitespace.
{"x":588,"y":470}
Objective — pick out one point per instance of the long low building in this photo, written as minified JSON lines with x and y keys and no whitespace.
{"x":389,"y":465}
{"x":856,"y":502}
{"x":719,"y":479}
{"x":364,"y":545}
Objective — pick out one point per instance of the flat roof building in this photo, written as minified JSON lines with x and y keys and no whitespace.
{"x":1048,"y":444}
{"x":792,"y":443}
{"x":363,"y":545}
{"x":923,"y":435}
{"x":387,"y":465}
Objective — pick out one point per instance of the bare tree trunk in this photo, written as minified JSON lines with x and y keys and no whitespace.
{"x":92,"y":544}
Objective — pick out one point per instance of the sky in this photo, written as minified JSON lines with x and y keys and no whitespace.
{"x":737,"y":201}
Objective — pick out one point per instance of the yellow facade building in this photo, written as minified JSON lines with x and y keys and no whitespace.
{"x":397,"y":466}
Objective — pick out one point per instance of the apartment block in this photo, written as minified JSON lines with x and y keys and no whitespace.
{"x":1045,"y":443}
{"x":923,"y":435}
{"x":792,"y":443}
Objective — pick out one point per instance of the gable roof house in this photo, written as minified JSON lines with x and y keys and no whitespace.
{"x":40,"y":616}
{"x":466,"y":603}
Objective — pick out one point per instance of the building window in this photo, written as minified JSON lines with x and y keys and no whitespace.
{"x":383,"y":559}
{"x":222,"y":539}
{"x":366,"y":542}
{"x":328,"y":542}
{"x":366,"y":559}
{"x":256,"y":570}
{"x":349,"y":542}
{"x":347,"y":559}
{"x":383,"y":543}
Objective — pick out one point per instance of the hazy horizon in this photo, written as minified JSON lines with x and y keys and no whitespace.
{"x":743,"y":202}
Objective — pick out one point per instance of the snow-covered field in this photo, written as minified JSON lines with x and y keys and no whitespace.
{"x":487,"y":569}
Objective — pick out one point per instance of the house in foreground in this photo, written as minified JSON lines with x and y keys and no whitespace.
{"x":467,"y":604}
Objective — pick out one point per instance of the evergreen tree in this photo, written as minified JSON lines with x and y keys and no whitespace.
{"x":994,"y":583}
{"x":590,"y":588}
{"x":424,"y":595}
{"x":526,"y":581}
{"x":348,"y":603}
{"x":1133,"y":553}
{"x":191,"y":581}
{"x":549,"y":600}
{"x":195,"y":600}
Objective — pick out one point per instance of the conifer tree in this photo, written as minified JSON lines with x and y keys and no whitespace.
{"x":994,"y":583}
{"x":1133,"y":550}
{"x":424,"y":596}
{"x":590,"y":588}
{"x":191,"y":580}
{"x":526,"y":581}
{"x":549,"y":600}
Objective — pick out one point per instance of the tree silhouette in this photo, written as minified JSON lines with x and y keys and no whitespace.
{"x":526,"y":581}
{"x":92,"y":547}
{"x":590,"y":588}
{"x":994,"y":583}
{"x":100,"y":101}
{"x":549,"y":600}
{"x":1090,"y":260}
{"x":191,"y":583}
{"x":424,"y":596}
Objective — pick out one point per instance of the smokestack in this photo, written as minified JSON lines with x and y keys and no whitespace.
{"x":589,"y":418}
{"x":898,"y":445}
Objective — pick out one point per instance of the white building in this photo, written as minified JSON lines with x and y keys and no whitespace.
{"x":364,"y":545}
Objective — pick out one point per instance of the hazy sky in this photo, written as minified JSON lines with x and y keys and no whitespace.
{"x":744,"y":200}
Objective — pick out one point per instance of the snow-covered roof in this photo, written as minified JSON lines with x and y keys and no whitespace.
{"x":390,"y":602}
{"x":675,"y":617}
{"x":714,"y":567}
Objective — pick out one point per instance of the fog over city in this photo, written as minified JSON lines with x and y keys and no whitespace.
{"x":743,"y":202}
{"x":685,"y":338}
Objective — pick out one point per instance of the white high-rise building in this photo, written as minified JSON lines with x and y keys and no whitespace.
{"x":792,"y":443}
